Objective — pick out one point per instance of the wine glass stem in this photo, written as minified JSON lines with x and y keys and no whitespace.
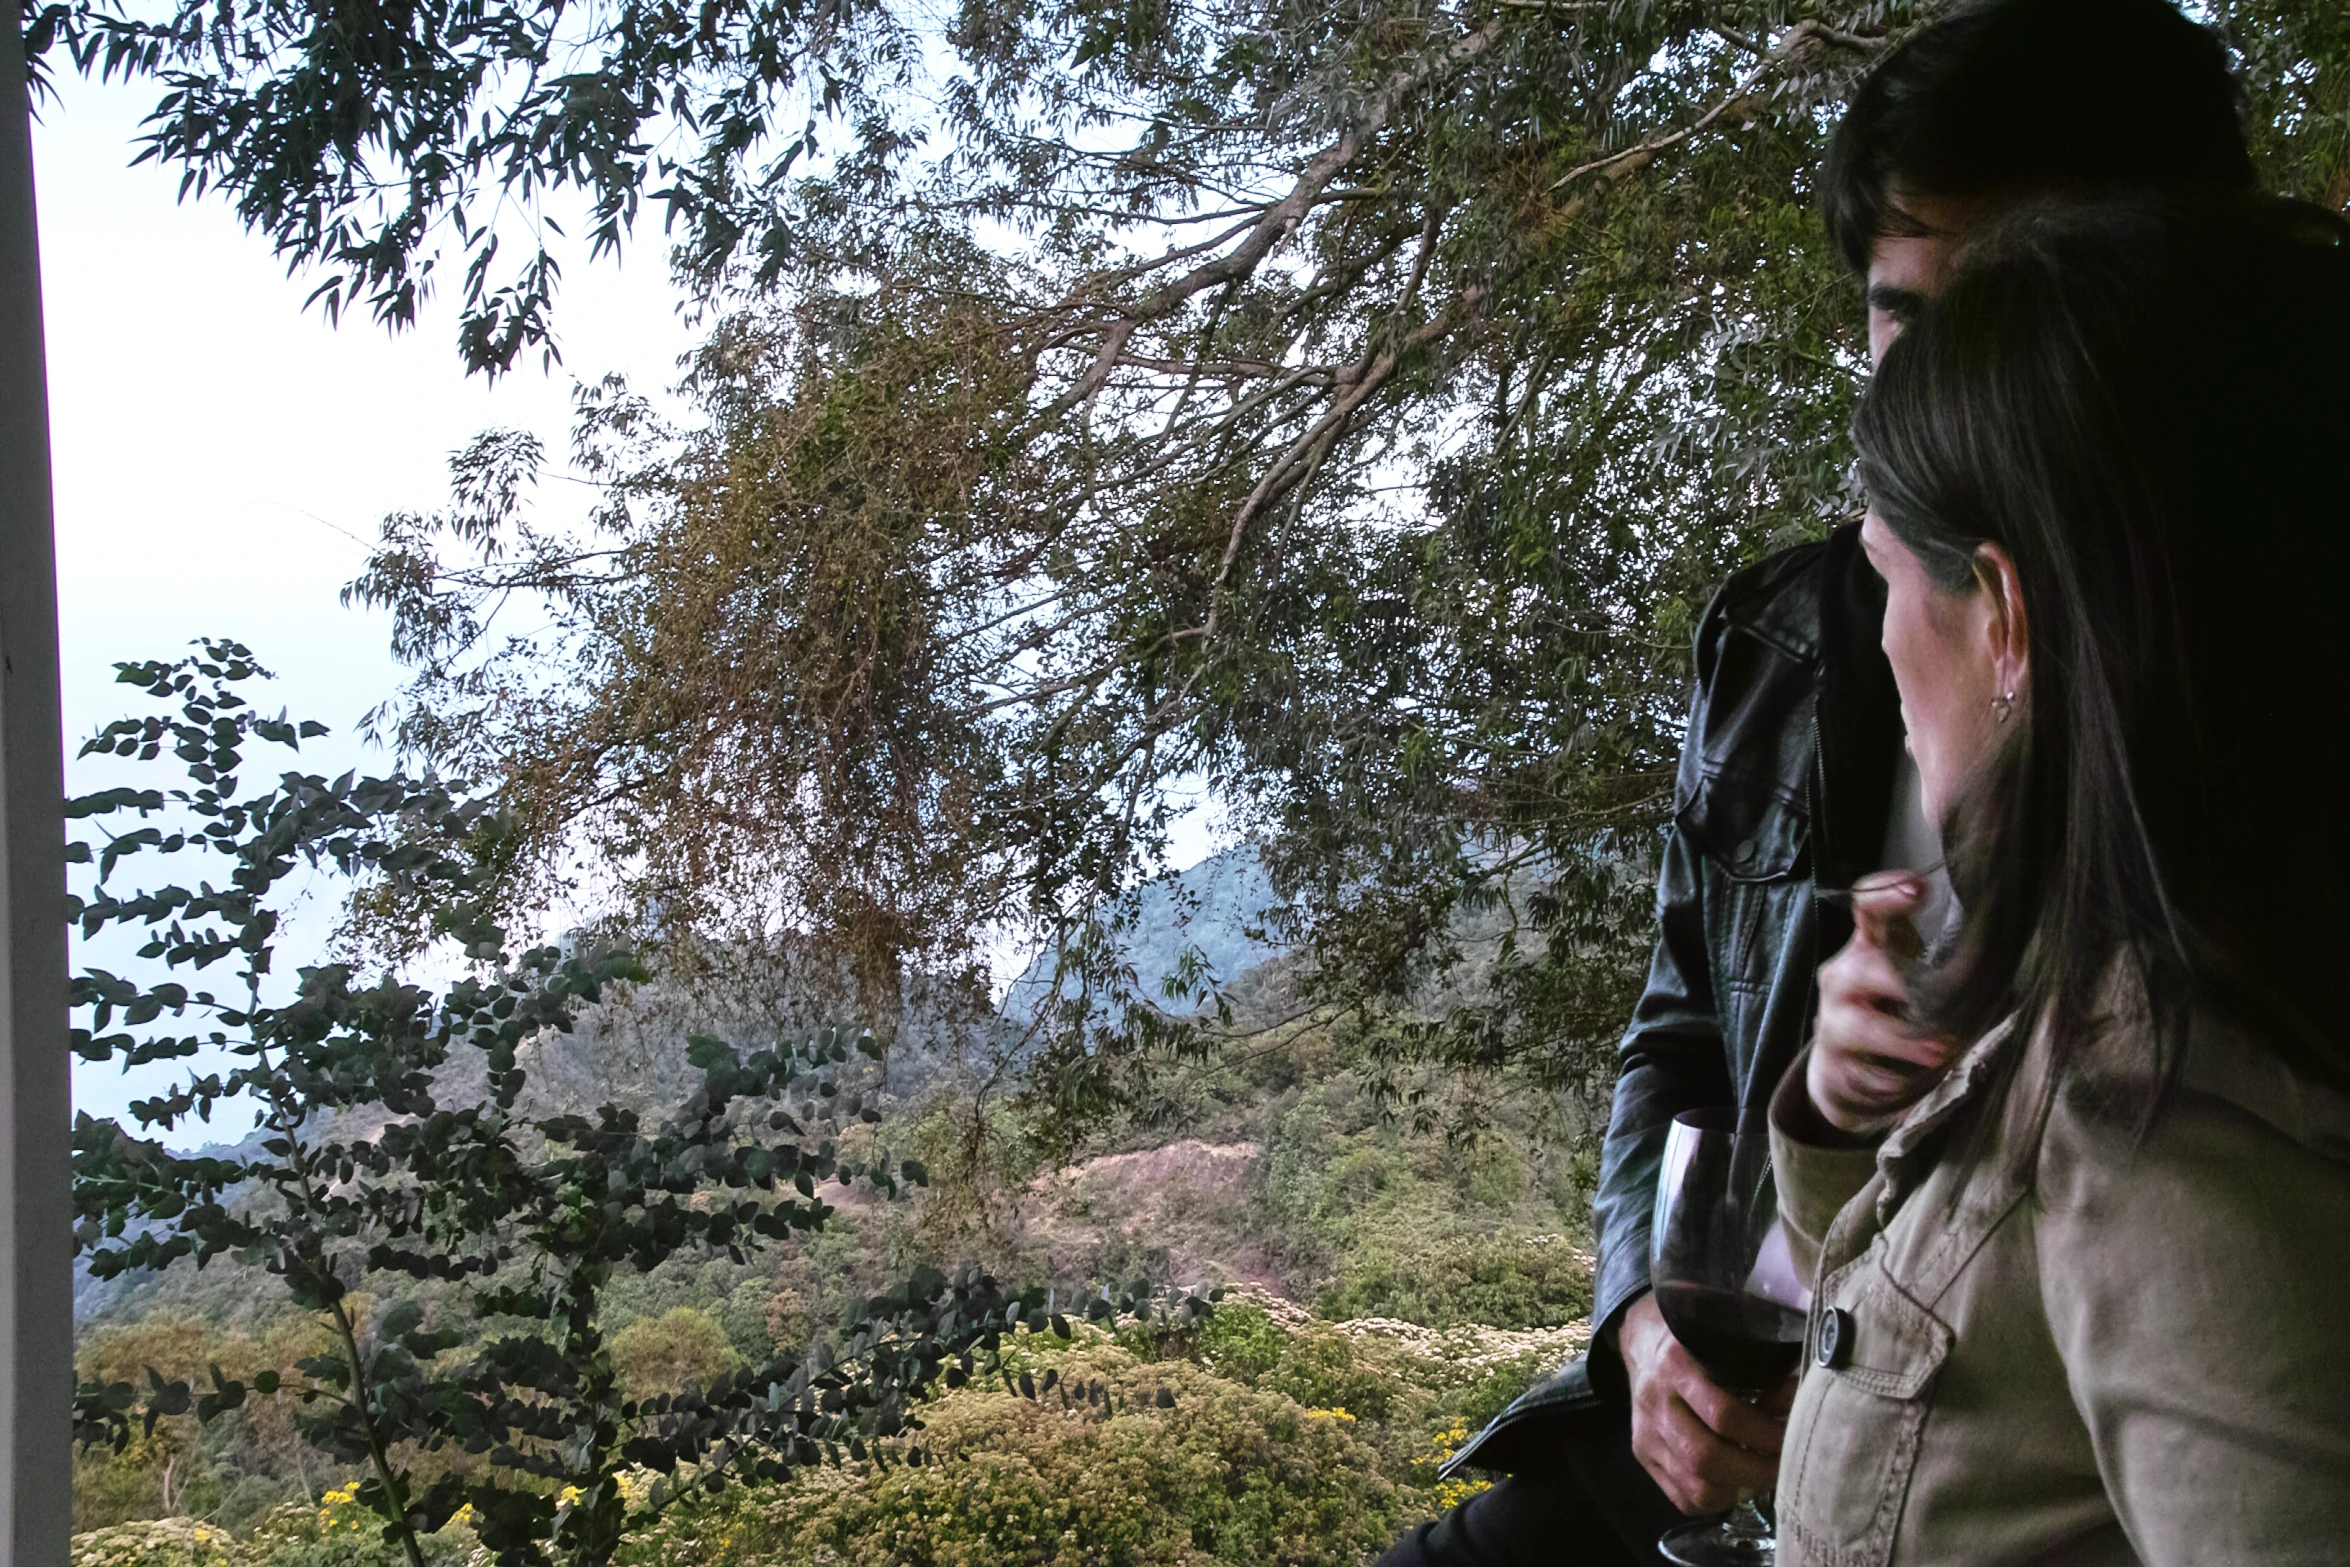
{"x":1747,"y":1522}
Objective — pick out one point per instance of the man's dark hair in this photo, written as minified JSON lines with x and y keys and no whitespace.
{"x":2142,"y":402}
{"x":2017,"y":97}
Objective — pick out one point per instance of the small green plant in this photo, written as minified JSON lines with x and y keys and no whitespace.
{"x":1242,"y":1342}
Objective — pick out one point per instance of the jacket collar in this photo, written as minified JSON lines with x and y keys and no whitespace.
{"x":1859,"y":718}
{"x":1909,"y":1151}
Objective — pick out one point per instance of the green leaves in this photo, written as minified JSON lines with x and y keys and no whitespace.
{"x":108,"y":800}
{"x":1328,"y":442}
{"x":354,"y":141}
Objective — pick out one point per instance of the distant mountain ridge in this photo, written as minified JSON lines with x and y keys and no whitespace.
{"x":635,"y":1051}
{"x":1210,"y":907}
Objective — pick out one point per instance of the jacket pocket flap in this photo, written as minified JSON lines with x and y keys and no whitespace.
{"x":1742,"y":825}
{"x":1743,"y":790}
{"x":1897,"y":1344}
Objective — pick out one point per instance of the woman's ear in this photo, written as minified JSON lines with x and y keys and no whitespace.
{"x":2007,"y":629}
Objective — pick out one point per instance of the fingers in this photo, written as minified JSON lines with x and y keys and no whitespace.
{"x":1852,"y":1025}
{"x":1868,"y":974}
{"x":1861,"y":1093}
{"x":1732,"y":1418}
{"x":1868,"y":1062}
{"x":1705,"y":1447}
{"x":1697,"y":1470}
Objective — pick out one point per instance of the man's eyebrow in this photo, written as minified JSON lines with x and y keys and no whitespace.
{"x":1900,"y":303}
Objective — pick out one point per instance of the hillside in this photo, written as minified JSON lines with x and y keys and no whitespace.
{"x":1441,"y":1254}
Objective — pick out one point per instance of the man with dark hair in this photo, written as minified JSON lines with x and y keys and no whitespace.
{"x":1793,"y":776}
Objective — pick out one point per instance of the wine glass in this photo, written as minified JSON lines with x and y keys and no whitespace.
{"x":1727,"y":1286}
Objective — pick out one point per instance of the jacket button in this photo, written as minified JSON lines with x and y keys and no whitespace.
{"x":1834,"y":1345}
{"x":1747,"y":850}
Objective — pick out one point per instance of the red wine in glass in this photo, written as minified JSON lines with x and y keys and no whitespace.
{"x":1746,"y":1343}
{"x":1726,"y":1287}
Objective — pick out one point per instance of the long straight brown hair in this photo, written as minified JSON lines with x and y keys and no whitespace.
{"x":2146,"y":402}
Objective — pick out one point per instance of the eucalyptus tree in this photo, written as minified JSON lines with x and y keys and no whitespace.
{"x":1344,"y":408}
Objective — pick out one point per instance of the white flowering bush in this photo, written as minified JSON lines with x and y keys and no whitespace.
{"x":159,"y":1542}
{"x":1255,"y":1331}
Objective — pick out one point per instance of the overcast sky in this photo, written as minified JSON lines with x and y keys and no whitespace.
{"x":222,"y":455}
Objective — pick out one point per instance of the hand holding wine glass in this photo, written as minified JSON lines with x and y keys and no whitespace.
{"x":1703,"y":1445}
{"x":1725,"y":1285}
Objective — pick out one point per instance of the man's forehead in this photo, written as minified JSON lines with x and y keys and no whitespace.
{"x":1919,"y":223}
{"x":1906,"y":264}
{"x":1920,"y":234}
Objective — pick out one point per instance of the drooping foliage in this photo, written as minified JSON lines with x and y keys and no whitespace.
{"x":1340,"y":410}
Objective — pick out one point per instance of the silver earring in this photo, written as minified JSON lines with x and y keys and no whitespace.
{"x":2003,"y":707}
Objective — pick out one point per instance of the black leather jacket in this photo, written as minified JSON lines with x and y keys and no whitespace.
{"x":1785,"y":783}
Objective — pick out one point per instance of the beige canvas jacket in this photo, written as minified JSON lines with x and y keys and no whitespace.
{"x":2096,"y":1342}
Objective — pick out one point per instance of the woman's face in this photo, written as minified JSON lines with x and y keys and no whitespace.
{"x":1949,"y":653}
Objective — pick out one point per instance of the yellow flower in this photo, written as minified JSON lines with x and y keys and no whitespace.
{"x":1451,"y":1493}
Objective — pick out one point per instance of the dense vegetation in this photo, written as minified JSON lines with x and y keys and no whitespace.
{"x":396,"y":1147}
{"x":1337,"y":411}
{"x":1261,"y":1437}
{"x":540,"y":1267}
{"x":1444,"y":1271}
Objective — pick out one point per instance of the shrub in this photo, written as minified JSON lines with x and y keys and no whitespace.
{"x":161,"y":1542}
{"x":1312,"y":1363}
{"x":679,"y":1350}
{"x":1096,"y":1469}
{"x":342,"y":1532}
{"x":1322,"y":1369}
{"x":1448,"y":1440}
{"x":1537,"y":1281}
{"x":1242,"y":1342}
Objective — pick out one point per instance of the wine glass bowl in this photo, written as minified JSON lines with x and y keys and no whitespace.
{"x":1727,"y":1287}
{"x":1746,"y":1344}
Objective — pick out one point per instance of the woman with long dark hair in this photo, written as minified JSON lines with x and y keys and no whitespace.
{"x":2086,"y":1301}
